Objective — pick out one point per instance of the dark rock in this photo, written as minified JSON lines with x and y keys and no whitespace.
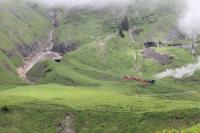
{"x":171,"y":58}
{"x":25,"y":49}
{"x":59,"y":61}
{"x":149,"y":44}
{"x":56,"y":23}
{"x":5,"y":109}
{"x":64,"y":48}
{"x":121,"y":33}
{"x":125,"y":23}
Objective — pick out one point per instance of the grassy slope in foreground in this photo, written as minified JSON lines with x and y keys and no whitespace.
{"x":194,"y":129}
{"x":108,"y":108}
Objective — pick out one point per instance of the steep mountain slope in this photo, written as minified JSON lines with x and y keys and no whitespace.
{"x":101,"y":49}
{"x":88,"y":82}
{"x":23,"y":25}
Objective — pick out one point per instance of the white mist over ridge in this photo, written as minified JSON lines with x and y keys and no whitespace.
{"x":178,"y":73}
{"x":72,"y":3}
{"x":189,"y":21}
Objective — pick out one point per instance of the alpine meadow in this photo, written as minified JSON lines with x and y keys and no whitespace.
{"x":104,"y":66}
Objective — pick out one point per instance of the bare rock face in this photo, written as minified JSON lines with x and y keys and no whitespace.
{"x":56,"y":23}
{"x":25,"y":50}
{"x":66,"y":125}
{"x":64,"y":48}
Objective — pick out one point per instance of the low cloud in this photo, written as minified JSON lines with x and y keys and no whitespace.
{"x":72,"y":3}
{"x":189,"y":21}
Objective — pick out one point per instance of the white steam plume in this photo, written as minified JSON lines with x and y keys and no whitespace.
{"x":185,"y":71}
{"x":189,"y":22}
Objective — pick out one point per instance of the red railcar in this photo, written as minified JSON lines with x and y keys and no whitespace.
{"x":139,"y":79}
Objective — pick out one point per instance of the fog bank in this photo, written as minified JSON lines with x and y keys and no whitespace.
{"x":72,"y":3}
{"x":189,"y":20}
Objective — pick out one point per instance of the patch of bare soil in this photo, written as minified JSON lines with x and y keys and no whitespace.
{"x":160,"y":58}
{"x":66,"y":125}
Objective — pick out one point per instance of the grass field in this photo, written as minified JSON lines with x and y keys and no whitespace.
{"x":108,"y":108}
{"x":88,"y":82}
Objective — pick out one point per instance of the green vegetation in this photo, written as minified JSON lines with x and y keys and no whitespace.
{"x":88,"y":82}
{"x":194,"y":129}
{"x":99,"y":108}
{"x":21,"y":24}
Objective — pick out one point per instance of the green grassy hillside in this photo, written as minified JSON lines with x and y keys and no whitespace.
{"x":109,"y":108}
{"x":21,"y":25}
{"x":88,"y":82}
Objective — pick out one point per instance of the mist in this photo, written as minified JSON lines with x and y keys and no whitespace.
{"x":189,"y":19}
{"x":73,"y":3}
{"x":189,"y":25}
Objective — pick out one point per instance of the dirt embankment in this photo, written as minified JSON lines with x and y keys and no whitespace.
{"x":44,"y":53}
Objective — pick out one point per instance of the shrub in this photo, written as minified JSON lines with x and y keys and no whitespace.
{"x":5,"y":108}
{"x":121,"y":33}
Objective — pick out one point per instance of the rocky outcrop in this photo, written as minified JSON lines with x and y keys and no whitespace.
{"x":149,"y":44}
{"x":64,"y":48}
{"x":56,"y":23}
{"x":66,"y":125}
{"x":25,"y":50}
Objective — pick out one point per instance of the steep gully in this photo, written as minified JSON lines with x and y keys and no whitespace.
{"x":45,"y":53}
